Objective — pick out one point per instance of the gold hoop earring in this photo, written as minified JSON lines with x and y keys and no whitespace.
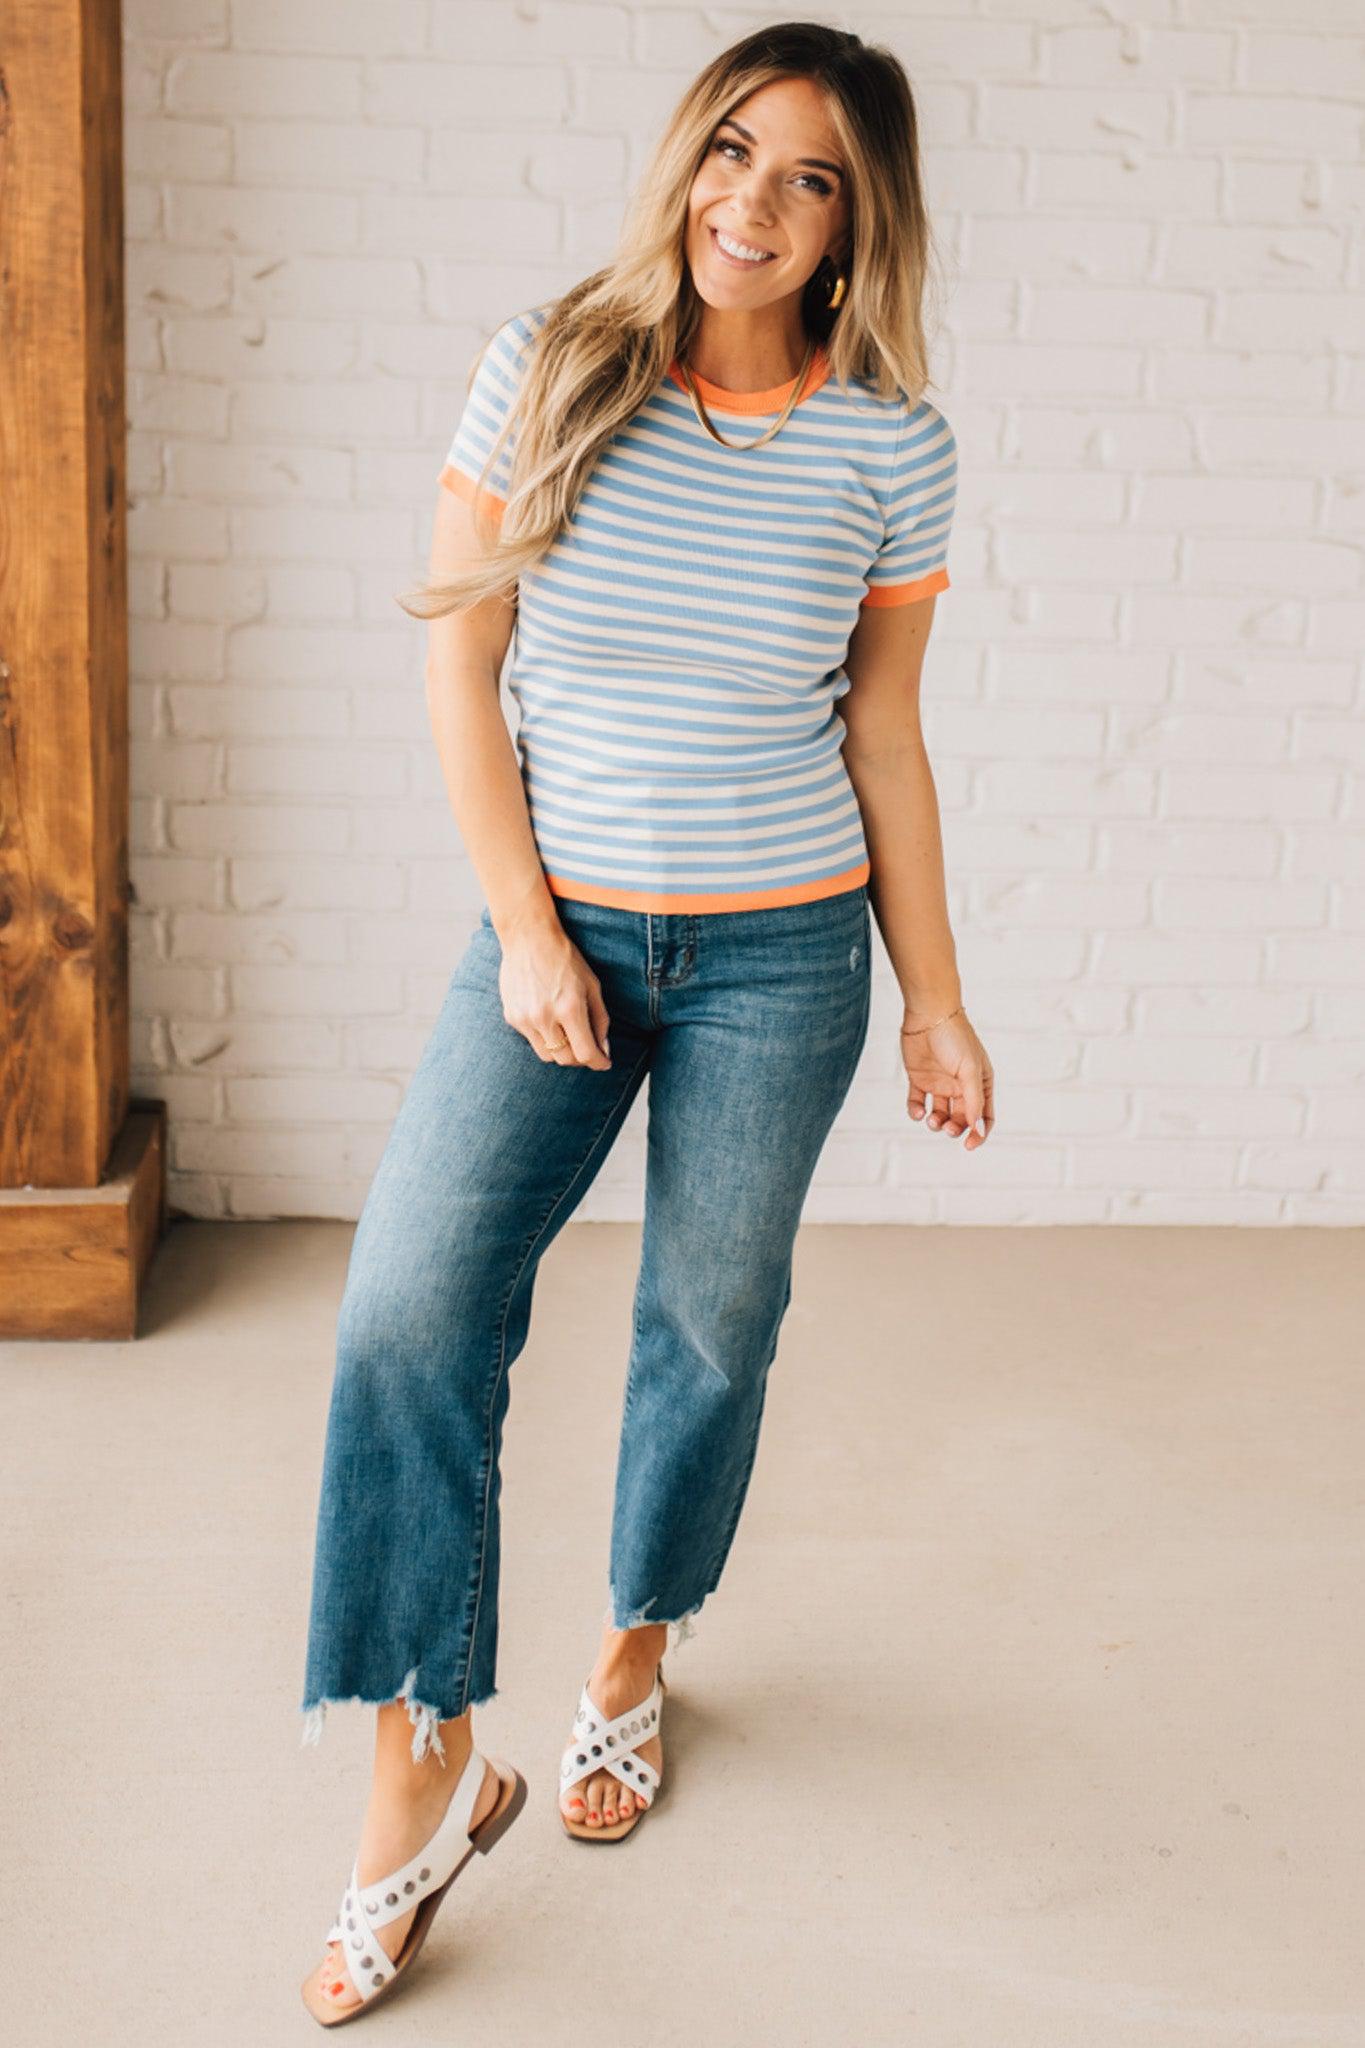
{"x":836,"y":296}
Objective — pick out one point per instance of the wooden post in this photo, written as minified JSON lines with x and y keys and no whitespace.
{"x":82,"y":1176}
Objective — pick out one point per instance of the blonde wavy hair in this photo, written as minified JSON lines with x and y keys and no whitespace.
{"x":607,"y":342}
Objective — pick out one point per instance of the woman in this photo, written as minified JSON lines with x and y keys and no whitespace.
{"x":710,"y":477}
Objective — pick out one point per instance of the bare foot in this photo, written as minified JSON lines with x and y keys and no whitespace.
{"x":621,"y":1678}
{"x":408,"y":1802}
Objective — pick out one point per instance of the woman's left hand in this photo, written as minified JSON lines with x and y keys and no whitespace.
{"x":948,"y":1062}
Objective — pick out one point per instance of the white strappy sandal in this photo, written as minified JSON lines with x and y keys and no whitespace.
{"x":423,"y":1881}
{"x":602,"y":1744}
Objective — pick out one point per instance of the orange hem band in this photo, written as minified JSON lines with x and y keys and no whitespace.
{"x":750,"y":899}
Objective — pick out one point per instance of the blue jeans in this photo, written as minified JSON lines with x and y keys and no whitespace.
{"x":750,"y":1025}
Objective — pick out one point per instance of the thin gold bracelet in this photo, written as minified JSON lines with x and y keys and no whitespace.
{"x":907,"y":1033}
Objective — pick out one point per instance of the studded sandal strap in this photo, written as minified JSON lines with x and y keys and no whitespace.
{"x":619,"y":1739}
{"x":601,"y":1743}
{"x":633,"y":1772}
{"x":389,"y":1896}
{"x":364,"y":1908}
{"x":367,"y":1963}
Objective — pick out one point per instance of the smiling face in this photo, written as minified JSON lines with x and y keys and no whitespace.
{"x":769,"y":199}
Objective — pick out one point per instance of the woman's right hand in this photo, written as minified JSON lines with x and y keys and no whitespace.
{"x":552,"y":997}
{"x":948,"y":1062}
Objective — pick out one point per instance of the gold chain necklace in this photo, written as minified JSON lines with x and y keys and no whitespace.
{"x":778,"y":423}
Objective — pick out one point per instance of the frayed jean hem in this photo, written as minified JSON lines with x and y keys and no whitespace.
{"x":681,"y":1624}
{"x":425,"y":1717}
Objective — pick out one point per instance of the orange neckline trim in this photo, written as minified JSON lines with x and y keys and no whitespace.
{"x":757,"y":401}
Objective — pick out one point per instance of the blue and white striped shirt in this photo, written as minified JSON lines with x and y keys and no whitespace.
{"x":677,"y":657}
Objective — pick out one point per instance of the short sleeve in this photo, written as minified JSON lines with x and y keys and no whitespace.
{"x":491,"y":397}
{"x":912,"y":559}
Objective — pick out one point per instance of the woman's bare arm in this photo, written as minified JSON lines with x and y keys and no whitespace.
{"x":889,"y":767}
{"x":549,"y":992}
{"x":465,"y":654}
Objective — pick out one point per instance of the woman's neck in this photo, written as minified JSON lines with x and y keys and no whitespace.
{"x":747,"y":351}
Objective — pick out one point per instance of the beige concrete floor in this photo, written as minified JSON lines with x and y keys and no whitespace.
{"x":1028,"y":1714}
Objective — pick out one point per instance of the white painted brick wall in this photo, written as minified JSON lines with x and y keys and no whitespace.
{"x":1144,"y":692}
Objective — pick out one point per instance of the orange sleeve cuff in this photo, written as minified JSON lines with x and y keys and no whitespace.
{"x":905,"y":593}
{"x":464,"y":487}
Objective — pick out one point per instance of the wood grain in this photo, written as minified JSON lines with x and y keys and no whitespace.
{"x":63,"y":604}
